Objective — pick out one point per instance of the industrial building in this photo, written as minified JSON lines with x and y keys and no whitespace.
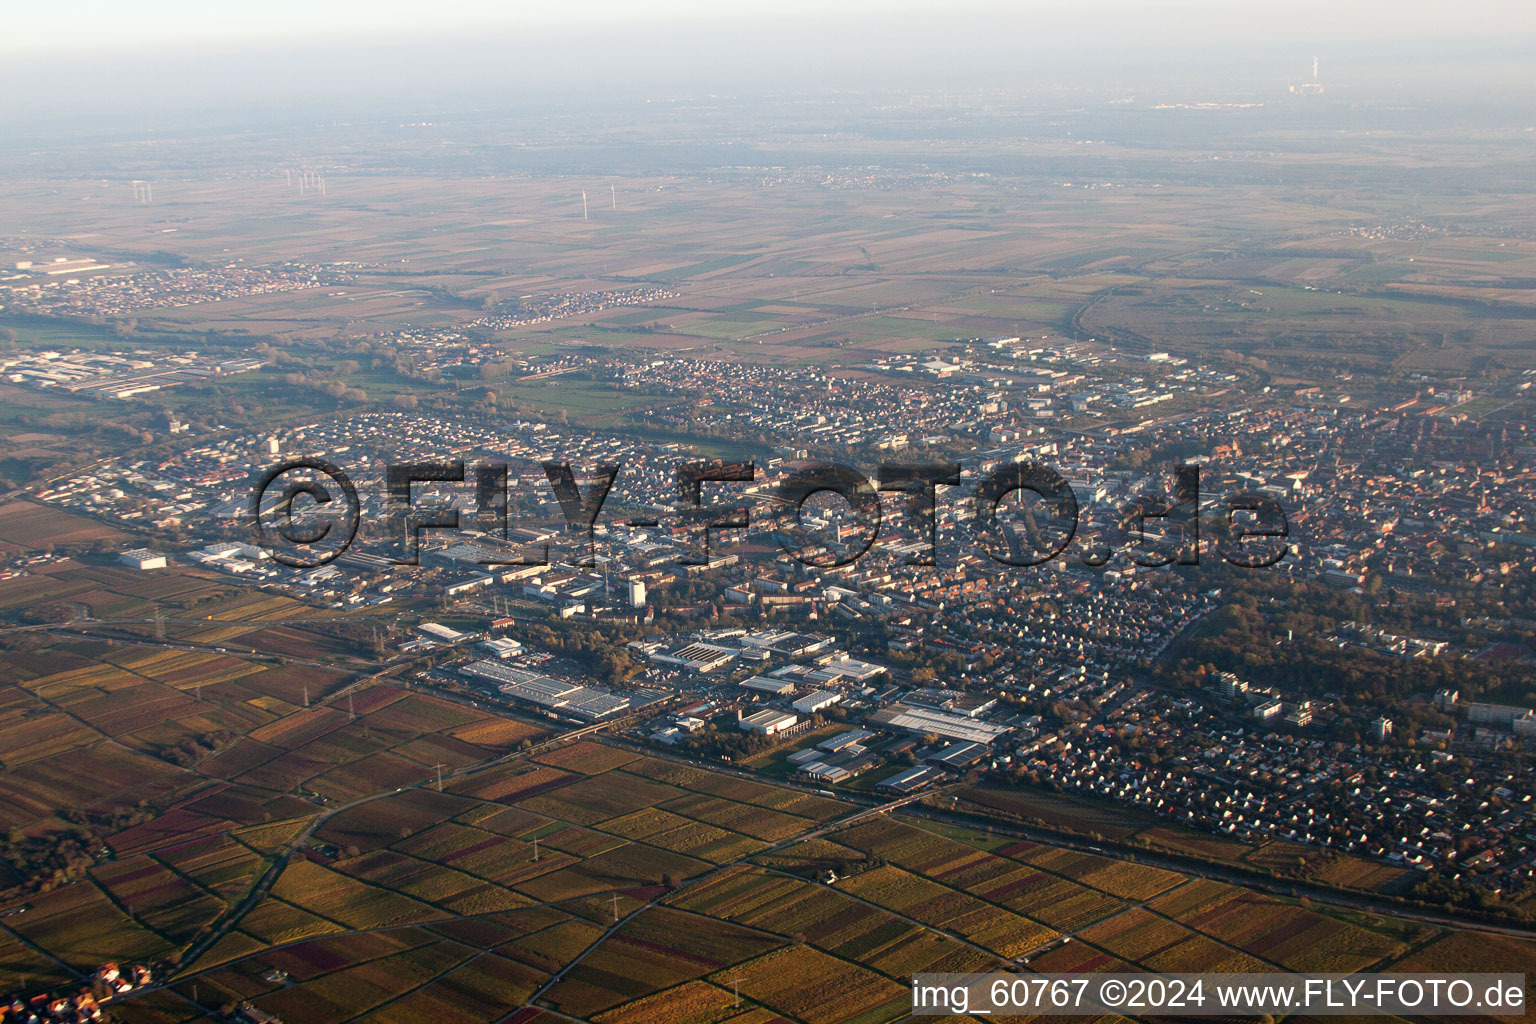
{"x":502,"y":647}
{"x":944,"y":724}
{"x":957,"y":757}
{"x":815,"y":701}
{"x":142,"y":558}
{"x":441,"y":633}
{"x":844,"y":740}
{"x":584,"y":703}
{"x":769,"y":685}
{"x":910,"y":781}
{"x":767,"y":723}
{"x":697,"y":657}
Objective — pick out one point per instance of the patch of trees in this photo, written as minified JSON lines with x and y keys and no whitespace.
{"x":193,"y":750}
{"x":720,"y":745}
{"x":1273,"y":632}
{"x":1451,"y":894}
{"x":46,"y":860}
{"x":333,"y":389}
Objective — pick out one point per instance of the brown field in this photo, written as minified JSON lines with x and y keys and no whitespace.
{"x":462,"y":903}
{"x":80,"y":925}
{"x":27,"y":525}
{"x":817,"y":988}
{"x":586,"y":757}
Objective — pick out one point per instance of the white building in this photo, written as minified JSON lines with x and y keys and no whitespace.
{"x":947,"y":725}
{"x":142,"y":558}
{"x":767,"y":723}
{"x":503,"y":647}
{"x":637,"y":593}
{"x":1268,"y":710}
{"x":228,"y":549}
{"x":815,"y":701}
{"x":767,"y":684}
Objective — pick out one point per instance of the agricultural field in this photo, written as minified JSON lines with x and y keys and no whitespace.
{"x":188,"y":771}
{"x":498,"y":846}
{"x":584,"y":878}
{"x":29,"y":526}
{"x":809,"y":985}
{"x":794,"y":274}
{"x":94,"y":727}
{"x":611,"y":886}
{"x":1128,"y":825}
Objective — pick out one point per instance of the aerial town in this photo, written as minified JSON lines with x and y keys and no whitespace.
{"x":1046,"y":667}
{"x":679,"y":523}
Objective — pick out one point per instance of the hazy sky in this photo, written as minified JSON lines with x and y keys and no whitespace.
{"x":96,"y":26}
{"x":111,"y":62}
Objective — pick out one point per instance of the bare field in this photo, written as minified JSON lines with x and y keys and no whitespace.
{"x":785,"y":273}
